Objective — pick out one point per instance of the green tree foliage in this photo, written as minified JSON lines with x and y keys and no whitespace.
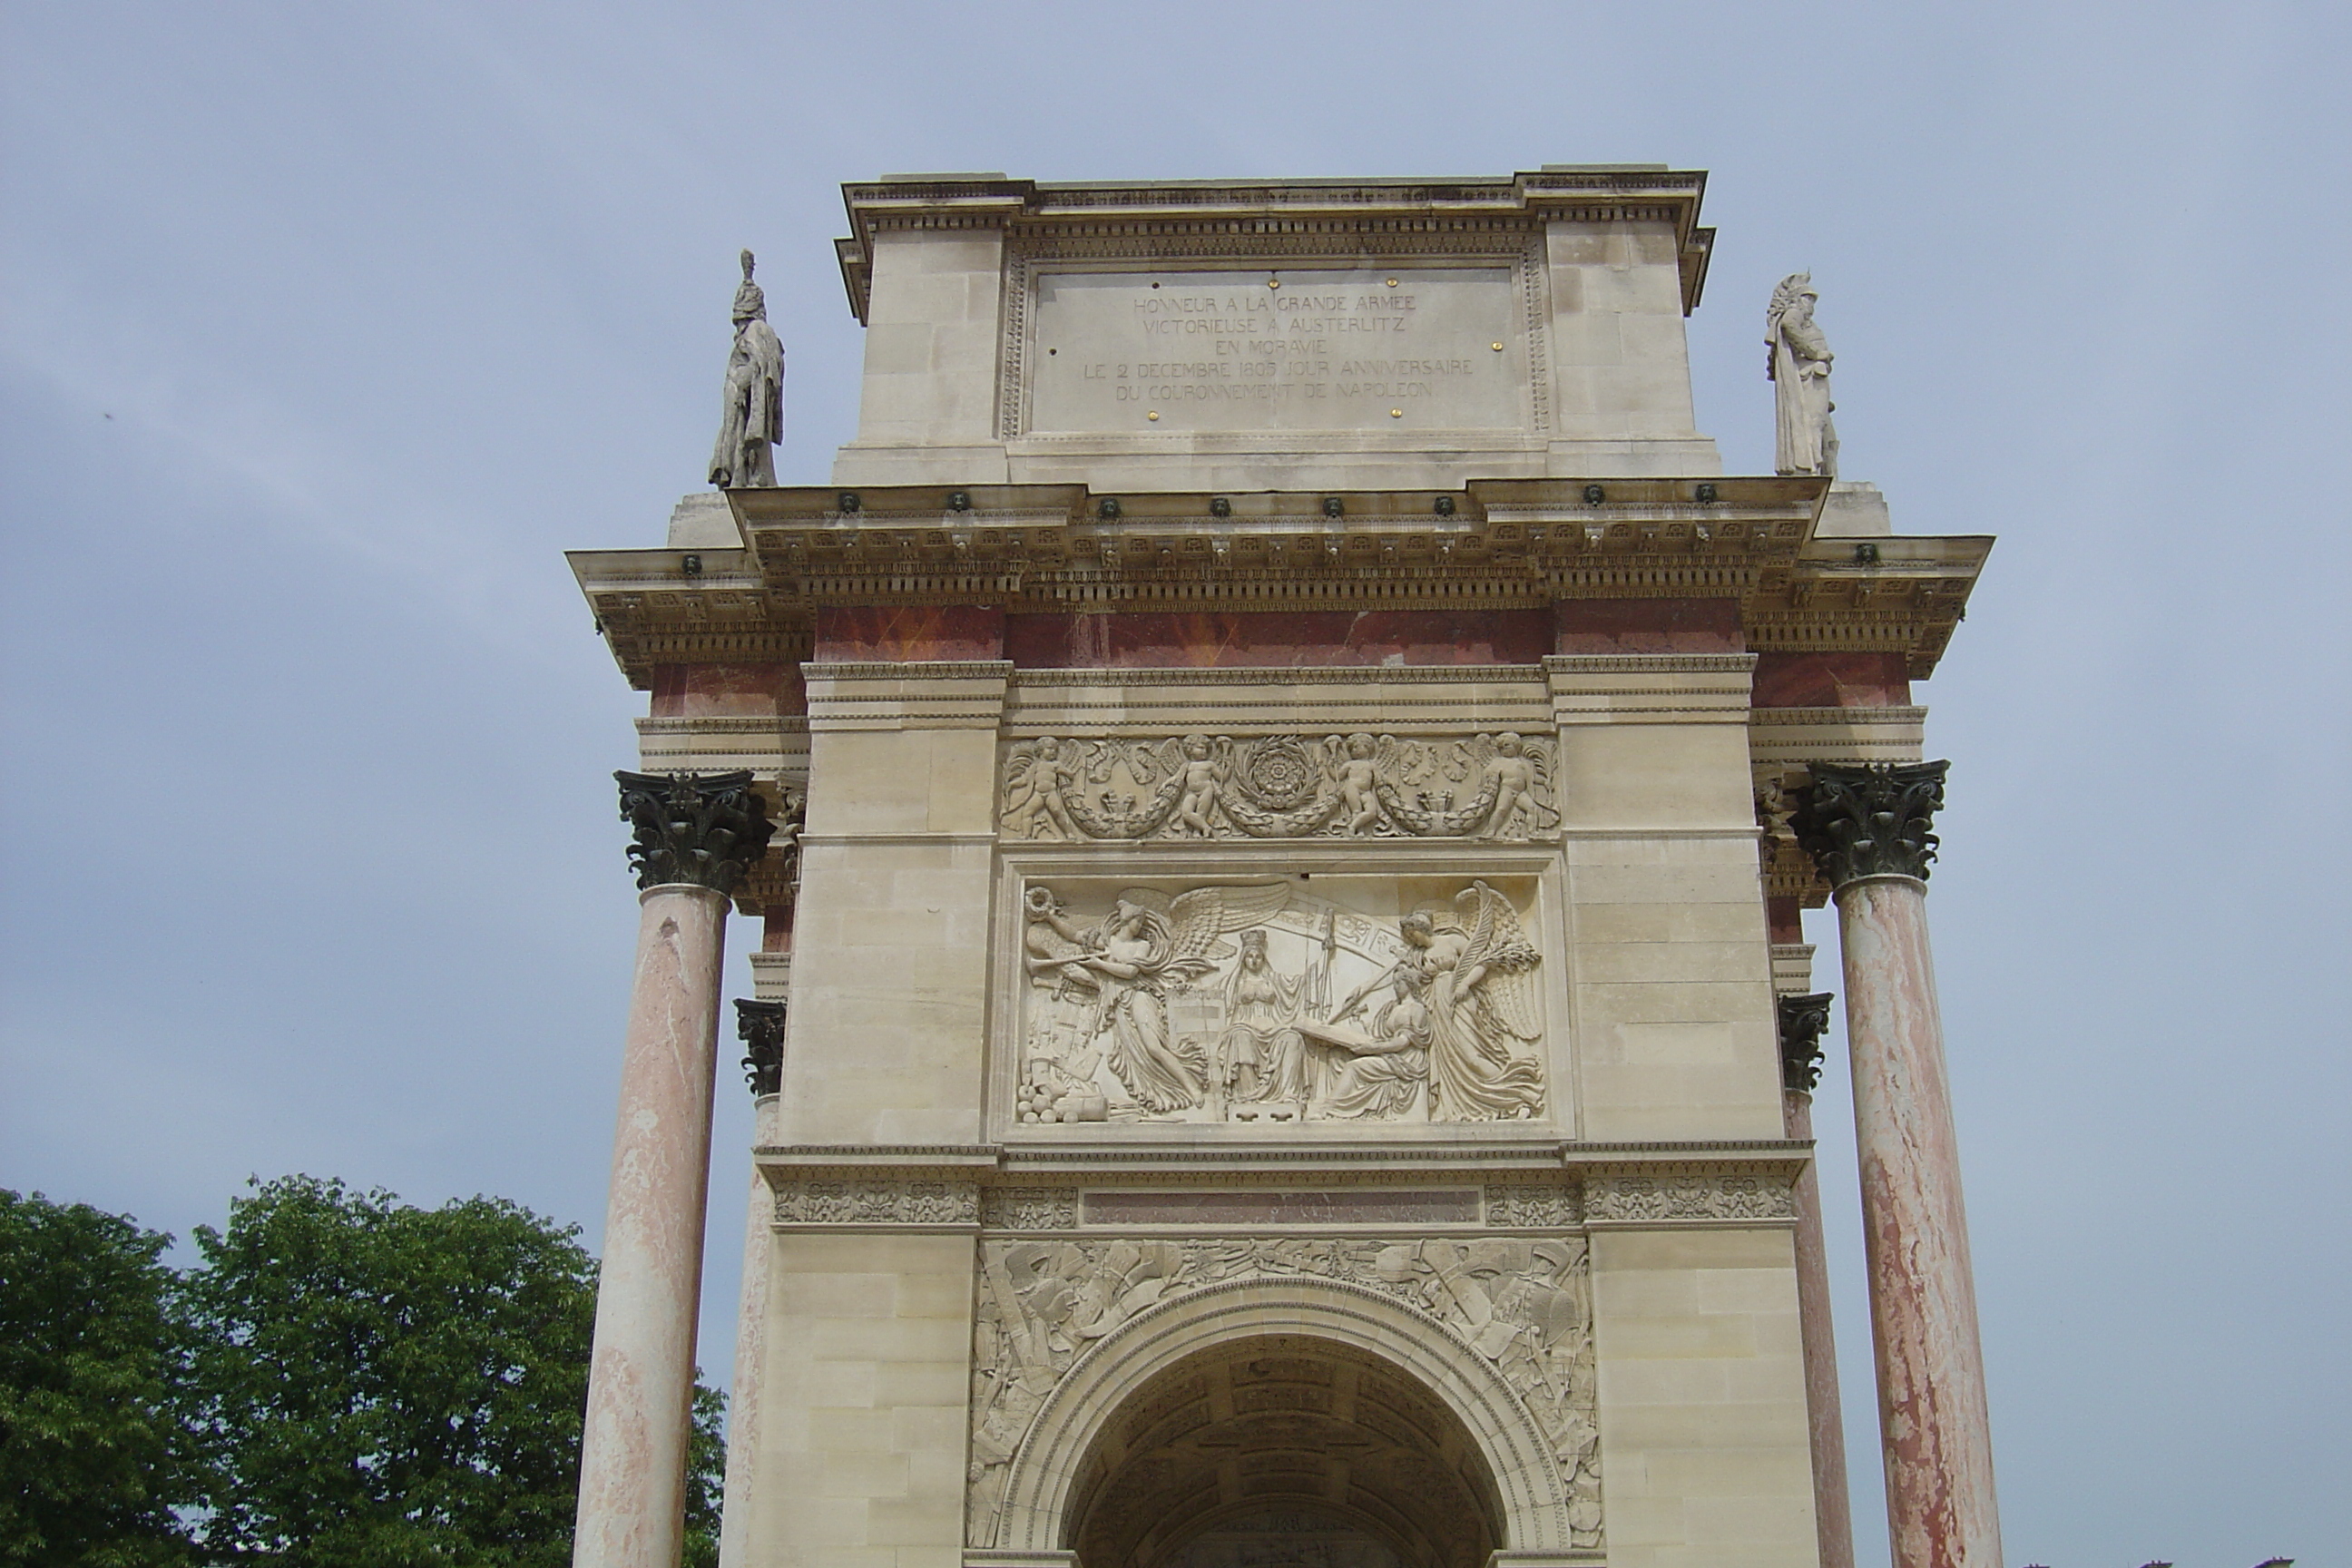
{"x":90,"y":1456}
{"x":344,"y":1380}
{"x":382,"y":1387}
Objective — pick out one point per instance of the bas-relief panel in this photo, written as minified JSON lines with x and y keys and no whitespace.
{"x":1418,"y":348}
{"x":1396,"y":999}
{"x":1523,"y":1305}
{"x":1498,"y":786}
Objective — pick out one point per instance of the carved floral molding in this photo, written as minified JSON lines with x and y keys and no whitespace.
{"x":863,"y":1201}
{"x":1688,"y":1195}
{"x":1602,"y":1198}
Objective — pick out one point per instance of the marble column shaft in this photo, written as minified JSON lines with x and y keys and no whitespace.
{"x":641,"y":1380}
{"x":1833,"y":1508}
{"x":696,"y":837}
{"x":1938,"y":1434}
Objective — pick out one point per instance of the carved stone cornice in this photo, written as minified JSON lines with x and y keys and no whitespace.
{"x":1802,"y":1018}
{"x":761,"y":1026}
{"x":705,"y":831}
{"x":1516,"y":543}
{"x":1872,"y":820}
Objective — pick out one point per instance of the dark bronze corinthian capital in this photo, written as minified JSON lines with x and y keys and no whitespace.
{"x":1874,"y":820}
{"x":761,"y":1027}
{"x":1802,"y":1019}
{"x":706,"y":830}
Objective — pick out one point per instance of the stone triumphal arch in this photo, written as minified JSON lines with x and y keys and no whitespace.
{"x":1279,"y":778}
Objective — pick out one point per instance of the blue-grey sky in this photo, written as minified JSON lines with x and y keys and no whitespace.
{"x":328,"y":328}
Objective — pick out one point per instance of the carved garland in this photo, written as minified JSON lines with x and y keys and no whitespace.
{"x":1493,"y":787}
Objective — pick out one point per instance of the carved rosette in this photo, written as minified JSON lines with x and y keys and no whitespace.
{"x":707,"y":831}
{"x":1872,"y":820}
{"x":761,"y":1026}
{"x":1802,"y":1019}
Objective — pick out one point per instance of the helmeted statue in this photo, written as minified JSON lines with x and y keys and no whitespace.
{"x":1799,"y":368}
{"x":753,"y":421}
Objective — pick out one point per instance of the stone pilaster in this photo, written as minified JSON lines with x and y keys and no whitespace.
{"x":1871,"y":831}
{"x":761,"y":1026}
{"x":695,"y":839}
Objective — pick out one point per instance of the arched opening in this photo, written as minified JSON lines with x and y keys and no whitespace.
{"x":1274,"y":1450}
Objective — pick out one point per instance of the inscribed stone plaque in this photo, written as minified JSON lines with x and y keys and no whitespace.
{"x":1411,"y":349}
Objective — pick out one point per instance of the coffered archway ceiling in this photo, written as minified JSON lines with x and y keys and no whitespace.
{"x":1285,"y":1436}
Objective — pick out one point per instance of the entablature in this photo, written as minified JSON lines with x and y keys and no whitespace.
{"x":1218,"y":215}
{"x":1503,"y":544}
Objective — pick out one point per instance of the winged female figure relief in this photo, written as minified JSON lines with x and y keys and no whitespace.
{"x":1146,"y":1012}
{"x":1130,"y":960}
{"x":1474,"y":974}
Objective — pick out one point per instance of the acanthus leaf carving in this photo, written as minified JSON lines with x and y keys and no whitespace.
{"x":1872,"y":820}
{"x":705,"y":830}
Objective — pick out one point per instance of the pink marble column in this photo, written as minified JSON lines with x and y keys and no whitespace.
{"x":694,"y":839}
{"x":1802,"y":1020}
{"x":1869,"y":828}
{"x":1940,"y":1505}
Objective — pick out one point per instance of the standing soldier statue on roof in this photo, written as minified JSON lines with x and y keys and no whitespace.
{"x":753,"y":422}
{"x":1799,"y":369}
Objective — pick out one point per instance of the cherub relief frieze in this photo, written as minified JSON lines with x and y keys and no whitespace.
{"x":1523,"y":1304}
{"x":1487,"y":787}
{"x":1217,"y":1003}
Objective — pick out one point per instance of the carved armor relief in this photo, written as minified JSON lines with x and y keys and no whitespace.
{"x":1524,"y":1305}
{"x":1486,"y":786}
{"x":1385,"y":1000}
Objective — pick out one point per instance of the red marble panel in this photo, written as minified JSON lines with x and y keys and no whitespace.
{"x":1647,"y":626}
{"x":1372,"y":1207}
{"x":1832,"y":680}
{"x":1262,"y":640}
{"x":696,"y":690}
{"x":1786,"y":917}
{"x":900,"y":634}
